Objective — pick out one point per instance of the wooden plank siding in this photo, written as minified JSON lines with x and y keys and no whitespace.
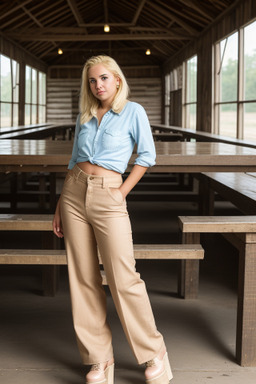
{"x":63,"y":96}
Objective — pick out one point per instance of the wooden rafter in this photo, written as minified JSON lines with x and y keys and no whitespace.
{"x":138,"y":11}
{"x":185,"y":16}
{"x":32,"y":17}
{"x":164,"y":26}
{"x":105,"y":11}
{"x":77,"y":15}
{"x":198,"y":8}
{"x":172,"y":16}
{"x":14,"y":9}
{"x":26,"y":35}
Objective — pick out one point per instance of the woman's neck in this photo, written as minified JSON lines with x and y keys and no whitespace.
{"x":105,"y":106}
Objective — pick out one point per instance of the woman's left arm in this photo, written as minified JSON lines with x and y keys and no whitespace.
{"x":135,"y":175}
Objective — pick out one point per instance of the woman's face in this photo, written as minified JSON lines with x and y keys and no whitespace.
{"x":103,"y":83}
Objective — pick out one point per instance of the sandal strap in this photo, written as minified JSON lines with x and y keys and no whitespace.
{"x":96,"y":367}
{"x":151,"y":363}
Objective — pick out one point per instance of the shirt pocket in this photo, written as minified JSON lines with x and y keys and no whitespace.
{"x":85,"y":137}
{"x":111,"y":139}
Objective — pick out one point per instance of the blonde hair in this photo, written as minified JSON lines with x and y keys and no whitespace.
{"x":88,"y":102}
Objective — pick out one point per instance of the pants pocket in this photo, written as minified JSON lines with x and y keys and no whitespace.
{"x":115,"y":194}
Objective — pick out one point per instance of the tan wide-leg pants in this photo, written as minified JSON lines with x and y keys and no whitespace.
{"x":92,"y":216}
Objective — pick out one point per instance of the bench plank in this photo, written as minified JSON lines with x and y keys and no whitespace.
{"x":33,"y":222}
{"x":58,"y":256}
{"x":12,"y":222}
{"x":218,"y":224}
{"x":55,"y":257}
{"x":35,"y":257}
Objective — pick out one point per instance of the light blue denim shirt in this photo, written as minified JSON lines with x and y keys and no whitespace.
{"x":110,"y":145}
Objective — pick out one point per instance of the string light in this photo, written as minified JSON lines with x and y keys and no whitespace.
{"x":60,"y":52}
{"x":148,"y":52}
{"x":106,"y":28}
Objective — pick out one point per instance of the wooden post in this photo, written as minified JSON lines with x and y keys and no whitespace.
{"x":206,"y":197}
{"x":50,"y":273}
{"x":246,"y":308}
{"x":53,"y":202}
{"x":188,"y":280}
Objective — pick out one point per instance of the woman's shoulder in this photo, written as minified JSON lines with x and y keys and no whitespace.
{"x":133,"y":106}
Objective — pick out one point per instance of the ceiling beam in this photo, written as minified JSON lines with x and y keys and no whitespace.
{"x":73,"y":6}
{"x":172,"y":16}
{"x":138,"y":12}
{"x":105,"y":11}
{"x":149,"y":29}
{"x":123,"y":66}
{"x":13,"y":9}
{"x":29,"y":36}
{"x":32,"y":16}
{"x":36,"y":21}
{"x":197,"y":7}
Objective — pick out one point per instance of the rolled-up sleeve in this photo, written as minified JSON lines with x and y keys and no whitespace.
{"x":74,"y":156}
{"x":143,"y":137}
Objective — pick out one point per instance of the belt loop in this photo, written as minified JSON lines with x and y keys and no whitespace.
{"x":103,"y":182}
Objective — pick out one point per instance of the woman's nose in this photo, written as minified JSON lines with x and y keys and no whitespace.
{"x":98,"y":84}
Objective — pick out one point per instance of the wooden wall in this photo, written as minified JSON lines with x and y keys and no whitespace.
{"x":63,"y":96}
{"x":240,"y":14}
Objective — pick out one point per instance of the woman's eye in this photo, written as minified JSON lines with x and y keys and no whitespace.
{"x":92,"y":81}
{"x":104,"y":78}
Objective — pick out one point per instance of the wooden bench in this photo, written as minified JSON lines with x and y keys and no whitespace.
{"x":37,"y":190}
{"x":51,"y":258}
{"x":241,"y":231}
{"x":7,"y":130}
{"x":167,"y":136}
{"x":41,"y":132}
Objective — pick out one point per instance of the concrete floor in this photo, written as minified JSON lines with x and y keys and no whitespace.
{"x":37,"y":342}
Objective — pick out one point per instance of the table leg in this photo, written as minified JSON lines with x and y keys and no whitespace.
{"x":188,"y":281}
{"x":206,"y":197}
{"x":246,"y":310}
{"x":50,"y":273}
{"x":50,"y":279}
{"x":53,"y":201}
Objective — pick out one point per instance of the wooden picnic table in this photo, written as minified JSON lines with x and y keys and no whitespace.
{"x":197,"y":135}
{"x":184,"y":157}
{"x":38,"y":132}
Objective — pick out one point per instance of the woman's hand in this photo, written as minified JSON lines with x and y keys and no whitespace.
{"x":56,"y":223}
{"x":134,"y":176}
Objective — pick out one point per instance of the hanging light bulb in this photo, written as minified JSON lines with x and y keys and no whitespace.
{"x":60,"y":52}
{"x":148,"y":52}
{"x":106,"y":28}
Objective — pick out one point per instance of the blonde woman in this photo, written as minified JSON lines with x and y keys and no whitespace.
{"x":92,"y":216}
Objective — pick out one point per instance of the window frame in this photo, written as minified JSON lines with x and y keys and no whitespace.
{"x":35,"y":104}
{"x":186,"y":104}
{"x":12,"y":102}
{"x":240,"y":101}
